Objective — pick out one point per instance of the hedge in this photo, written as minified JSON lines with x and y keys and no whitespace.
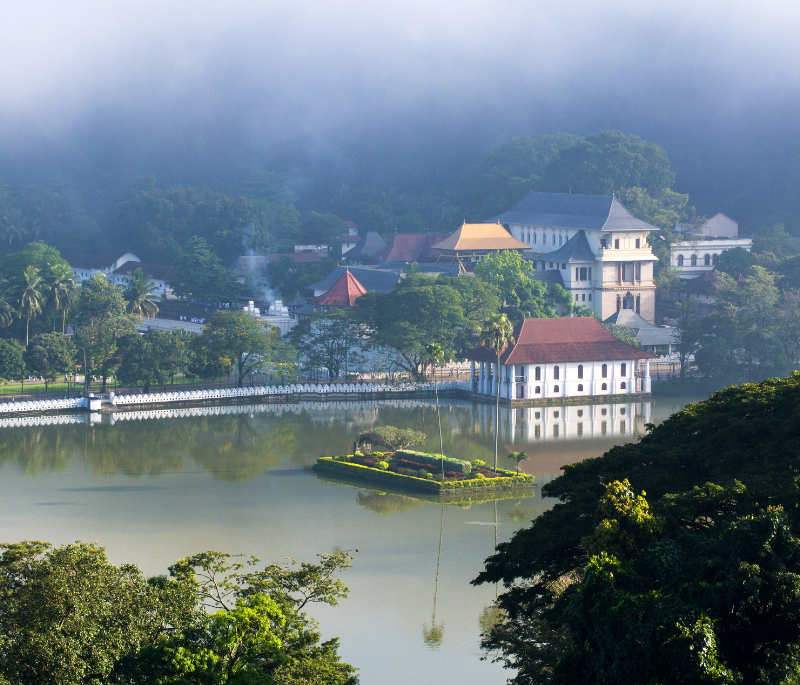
{"x":451,"y":464}
{"x":368,"y":473}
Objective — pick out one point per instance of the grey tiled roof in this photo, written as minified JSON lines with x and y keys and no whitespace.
{"x":549,"y":276}
{"x":576,"y":249}
{"x":646,"y":333}
{"x":372,"y":279}
{"x":369,"y":245}
{"x":573,"y":211}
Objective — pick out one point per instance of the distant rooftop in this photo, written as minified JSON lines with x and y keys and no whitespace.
{"x":479,"y":238}
{"x":343,"y":293}
{"x":576,"y":249}
{"x":573,"y":211}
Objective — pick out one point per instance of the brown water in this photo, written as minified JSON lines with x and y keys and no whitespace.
{"x":156,"y":486}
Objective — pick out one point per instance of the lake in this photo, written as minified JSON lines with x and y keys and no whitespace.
{"x":155,"y":486}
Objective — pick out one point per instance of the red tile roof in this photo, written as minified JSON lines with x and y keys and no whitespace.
{"x":343,"y":293}
{"x":411,"y":247}
{"x":573,"y":339}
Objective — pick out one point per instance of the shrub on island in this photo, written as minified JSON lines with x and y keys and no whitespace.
{"x":450,"y":464}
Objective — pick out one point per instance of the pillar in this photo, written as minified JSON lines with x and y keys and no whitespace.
{"x":646,"y":375}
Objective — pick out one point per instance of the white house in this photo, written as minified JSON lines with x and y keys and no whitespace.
{"x":698,"y":252}
{"x":558,"y":358}
{"x":596,"y":248}
{"x":86,"y":266}
{"x":160,"y":275}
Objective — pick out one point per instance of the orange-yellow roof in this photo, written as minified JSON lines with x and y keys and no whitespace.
{"x":478,"y":237}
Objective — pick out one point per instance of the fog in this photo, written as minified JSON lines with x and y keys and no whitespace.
{"x":208,"y":91}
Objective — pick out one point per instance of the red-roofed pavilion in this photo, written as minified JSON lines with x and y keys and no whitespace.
{"x":343,"y":293}
{"x":559,"y":358}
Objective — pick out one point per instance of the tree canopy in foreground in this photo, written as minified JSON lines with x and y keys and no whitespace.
{"x":698,"y":580}
{"x":70,"y":617}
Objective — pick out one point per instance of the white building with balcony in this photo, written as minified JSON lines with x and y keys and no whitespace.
{"x":553,"y":359}
{"x":698,"y":252}
{"x":597,"y":247}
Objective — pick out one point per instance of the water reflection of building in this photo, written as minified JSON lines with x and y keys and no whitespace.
{"x":566,"y":422}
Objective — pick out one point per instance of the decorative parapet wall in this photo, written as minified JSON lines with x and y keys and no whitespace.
{"x":298,"y":390}
{"x":43,"y":405}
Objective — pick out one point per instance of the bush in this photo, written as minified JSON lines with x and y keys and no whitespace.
{"x":382,"y":465}
{"x":435,"y":460}
{"x":478,"y":464}
{"x":393,"y":438}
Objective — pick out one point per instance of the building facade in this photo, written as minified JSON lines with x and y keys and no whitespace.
{"x":561,"y":358}
{"x":596,"y":245}
{"x":698,"y":252}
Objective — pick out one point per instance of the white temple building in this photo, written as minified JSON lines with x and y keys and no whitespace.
{"x":559,"y":358}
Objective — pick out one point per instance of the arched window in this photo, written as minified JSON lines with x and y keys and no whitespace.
{"x":555,"y":373}
{"x":693,"y":260}
{"x":580,"y":387}
{"x":555,"y":388}
{"x":604,"y":371}
{"x":538,"y":374}
{"x":714,"y":259}
{"x":604,"y":387}
{"x":707,"y":260}
{"x":623,"y":368}
{"x":580,"y":370}
{"x":538,"y":390}
{"x":623,"y":385}
{"x":680,"y":260}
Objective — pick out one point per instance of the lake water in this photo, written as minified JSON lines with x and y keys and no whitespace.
{"x":155,"y":486}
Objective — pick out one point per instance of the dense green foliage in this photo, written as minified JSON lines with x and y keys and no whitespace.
{"x":421,"y":309}
{"x":714,"y":473}
{"x":389,"y":436}
{"x":200,"y":274}
{"x":12,"y":361}
{"x":328,"y":341}
{"x":152,"y":358}
{"x":71,"y":617}
{"x":51,"y":354}
{"x":236,"y":340}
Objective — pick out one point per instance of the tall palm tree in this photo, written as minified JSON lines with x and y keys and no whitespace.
{"x":436,"y":355}
{"x":139,"y":295}
{"x":28,"y":292}
{"x":497,"y":335}
{"x":61,"y":291}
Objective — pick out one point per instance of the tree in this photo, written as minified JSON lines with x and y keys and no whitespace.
{"x":735,"y":262}
{"x":686,"y":596}
{"x":518,"y":457}
{"x":60,"y":289}
{"x":391,"y":437}
{"x":624,"y":333}
{"x":153,"y":357}
{"x":497,"y":336}
{"x":12,"y":361}
{"x":523,"y":296}
{"x":774,"y":239}
{"x":237,"y":340}
{"x":419,"y":309}
{"x":70,"y":617}
{"x":689,"y":466}
{"x":7,"y":311}
{"x":51,"y":354}
{"x":327,"y":340}
{"x":100,"y":323}
{"x":27,"y":291}
{"x":139,"y":295}
{"x":199,"y":274}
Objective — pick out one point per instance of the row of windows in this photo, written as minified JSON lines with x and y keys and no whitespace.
{"x":537,"y":372}
{"x":604,"y":243}
{"x":708,"y":260}
{"x":583,"y":297}
{"x":537,"y":430}
{"x":538,"y":389}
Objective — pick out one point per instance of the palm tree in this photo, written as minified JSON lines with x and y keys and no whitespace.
{"x":28,"y":292}
{"x":61,"y":292}
{"x":497,"y":336}
{"x":518,"y":457}
{"x":436,"y":355}
{"x":139,"y":295}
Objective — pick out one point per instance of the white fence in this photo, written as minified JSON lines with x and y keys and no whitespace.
{"x":321,"y":389}
{"x":42,"y":405}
